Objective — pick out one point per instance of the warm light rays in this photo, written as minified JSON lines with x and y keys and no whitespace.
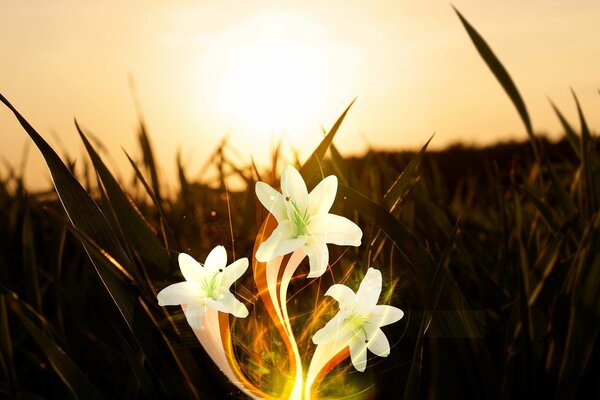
{"x":274,"y":78}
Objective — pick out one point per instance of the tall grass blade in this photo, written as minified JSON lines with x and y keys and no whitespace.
{"x":131,"y":222}
{"x":168,"y":239}
{"x":396,"y":192}
{"x":501,"y":75}
{"x":584,"y":314}
{"x":149,"y":159}
{"x":570,"y":133}
{"x":85,"y":214}
{"x":412,"y":390}
{"x":589,"y":161}
{"x":312,"y":167}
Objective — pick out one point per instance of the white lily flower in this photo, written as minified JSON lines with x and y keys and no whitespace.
{"x":206,"y":286}
{"x":304,"y":220}
{"x":359,"y":320}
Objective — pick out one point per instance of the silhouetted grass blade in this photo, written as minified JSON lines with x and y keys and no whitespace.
{"x":312,"y":167}
{"x":168,"y":238}
{"x":501,"y":75}
{"x":590,"y":164}
{"x":83,"y":213}
{"x":584,"y":313}
{"x":131,"y":222}
{"x":396,"y":192}
{"x":149,"y":159}
{"x":572,"y":137}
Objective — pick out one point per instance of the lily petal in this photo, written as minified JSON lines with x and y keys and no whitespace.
{"x":190,"y":268}
{"x":385,"y":315}
{"x":342,"y":294}
{"x":216,"y":259}
{"x":281,"y":241}
{"x":229,"y":304}
{"x":318,"y":256}
{"x":333,"y":330}
{"x":358,"y":354}
{"x":369,"y":289}
{"x":233,"y":272}
{"x":335,"y":229}
{"x":379,"y":344}
{"x":272,"y":200}
{"x":293,"y":186}
{"x":176,"y":294}
{"x":322,"y":196}
{"x":194,"y":313}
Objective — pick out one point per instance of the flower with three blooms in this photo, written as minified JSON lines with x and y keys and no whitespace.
{"x":359,"y":320}
{"x":206,"y":286}
{"x":304,"y":220}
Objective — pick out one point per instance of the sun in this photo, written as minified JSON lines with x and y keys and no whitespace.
{"x":275,"y":78}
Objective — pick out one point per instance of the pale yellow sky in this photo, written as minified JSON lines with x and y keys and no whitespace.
{"x":252,"y":70}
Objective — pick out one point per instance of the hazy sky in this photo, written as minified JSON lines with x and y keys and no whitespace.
{"x":253,"y":70}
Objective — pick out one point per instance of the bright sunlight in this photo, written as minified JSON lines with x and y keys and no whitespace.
{"x":275,"y":80}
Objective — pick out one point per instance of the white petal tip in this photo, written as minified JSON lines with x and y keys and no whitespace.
{"x":242,"y":313}
{"x":314,"y":274}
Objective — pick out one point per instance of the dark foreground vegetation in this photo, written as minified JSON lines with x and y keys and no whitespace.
{"x":493,"y":254}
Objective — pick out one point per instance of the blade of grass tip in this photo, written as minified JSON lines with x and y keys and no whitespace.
{"x":75,"y":380}
{"x":572,"y":137}
{"x":168,"y":238}
{"x":312,"y":166}
{"x":135,"y":228}
{"x":85,"y":214}
{"x":149,"y":159}
{"x":395,"y":193}
{"x":502,"y":76}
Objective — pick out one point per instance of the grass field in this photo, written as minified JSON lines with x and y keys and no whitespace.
{"x":492,"y":253}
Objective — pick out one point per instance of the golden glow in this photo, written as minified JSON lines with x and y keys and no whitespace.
{"x":275,"y":79}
